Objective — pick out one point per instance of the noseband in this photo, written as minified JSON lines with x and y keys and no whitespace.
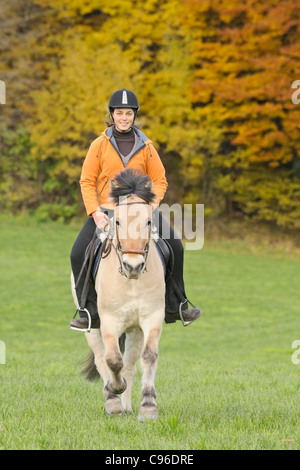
{"x":135,"y":252}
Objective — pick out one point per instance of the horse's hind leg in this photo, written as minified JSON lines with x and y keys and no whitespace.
{"x":133,"y":347}
{"x":149,"y":359}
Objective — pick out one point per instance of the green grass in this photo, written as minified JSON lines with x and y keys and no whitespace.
{"x":225,"y":382}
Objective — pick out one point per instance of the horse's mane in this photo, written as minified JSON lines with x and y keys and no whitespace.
{"x":131,"y":182}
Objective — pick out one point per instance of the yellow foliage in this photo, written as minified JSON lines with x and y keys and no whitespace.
{"x":213,"y":78}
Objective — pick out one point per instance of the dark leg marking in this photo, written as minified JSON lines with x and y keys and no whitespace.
{"x":149,"y":355}
{"x":115,"y":363}
{"x":148,"y":396}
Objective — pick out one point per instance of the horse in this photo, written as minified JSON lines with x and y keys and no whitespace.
{"x":130,"y":286}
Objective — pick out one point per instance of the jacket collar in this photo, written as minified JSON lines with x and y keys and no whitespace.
{"x":143,"y":139}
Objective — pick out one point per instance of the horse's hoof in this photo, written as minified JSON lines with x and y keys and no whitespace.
{"x":114,"y":413}
{"x":113,"y":406}
{"x":148,"y":414}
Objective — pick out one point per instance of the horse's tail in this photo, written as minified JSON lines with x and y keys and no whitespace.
{"x":89,"y":367}
{"x":122,"y":342}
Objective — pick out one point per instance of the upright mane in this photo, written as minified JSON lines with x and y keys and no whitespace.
{"x":131,"y":182}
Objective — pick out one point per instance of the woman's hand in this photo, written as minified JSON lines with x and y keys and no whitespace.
{"x":100,"y":219}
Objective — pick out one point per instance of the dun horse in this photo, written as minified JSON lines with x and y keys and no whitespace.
{"x":130,"y":287}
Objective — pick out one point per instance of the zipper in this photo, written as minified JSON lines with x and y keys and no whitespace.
{"x":98,"y":195}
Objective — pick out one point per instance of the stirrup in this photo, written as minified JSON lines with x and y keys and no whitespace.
{"x":83,"y":330}
{"x":186,"y":323}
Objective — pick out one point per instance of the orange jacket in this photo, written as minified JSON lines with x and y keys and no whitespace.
{"x":103,"y":162}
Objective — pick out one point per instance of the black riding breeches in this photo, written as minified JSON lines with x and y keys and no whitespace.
{"x":78,"y":254}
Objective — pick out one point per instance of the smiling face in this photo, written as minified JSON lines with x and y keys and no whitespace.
{"x":123,"y":118}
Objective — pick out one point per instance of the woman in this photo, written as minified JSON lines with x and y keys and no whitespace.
{"x":122,"y":145}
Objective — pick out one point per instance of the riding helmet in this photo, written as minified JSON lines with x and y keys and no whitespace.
{"x":123,"y":99}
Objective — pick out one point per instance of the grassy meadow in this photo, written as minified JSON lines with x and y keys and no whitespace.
{"x":225,"y":382}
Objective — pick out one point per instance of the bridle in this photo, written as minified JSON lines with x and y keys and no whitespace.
{"x":118,"y":248}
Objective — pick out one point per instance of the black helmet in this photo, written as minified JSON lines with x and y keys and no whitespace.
{"x":123,"y":99}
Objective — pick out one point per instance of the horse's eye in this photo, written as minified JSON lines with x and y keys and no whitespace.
{"x":117,"y":223}
{"x":149,"y":223}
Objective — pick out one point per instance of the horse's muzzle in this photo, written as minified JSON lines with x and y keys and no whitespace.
{"x":133,"y":269}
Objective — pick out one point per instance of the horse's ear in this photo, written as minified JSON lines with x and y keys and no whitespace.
{"x":149,"y":185}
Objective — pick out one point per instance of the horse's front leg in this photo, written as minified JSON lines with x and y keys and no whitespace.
{"x":112,"y":401}
{"x":152,"y":328}
{"x":113,"y":357}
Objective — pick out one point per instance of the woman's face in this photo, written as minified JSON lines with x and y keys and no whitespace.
{"x":123,"y":118}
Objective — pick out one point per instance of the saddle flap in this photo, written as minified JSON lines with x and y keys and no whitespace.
{"x":97,"y":259}
{"x":166,"y":254}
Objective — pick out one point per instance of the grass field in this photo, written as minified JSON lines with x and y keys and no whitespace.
{"x":225,"y":382}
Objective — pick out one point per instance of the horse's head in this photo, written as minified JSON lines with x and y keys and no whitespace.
{"x":133,"y":220}
{"x":132,"y":193}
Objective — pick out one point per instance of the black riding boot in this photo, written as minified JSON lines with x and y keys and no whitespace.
{"x":176,"y":300}
{"x":78,"y":254}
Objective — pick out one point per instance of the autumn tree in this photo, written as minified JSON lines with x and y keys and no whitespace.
{"x":213,"y":79}
{"x":244,"y":58}
{"x":130,"y":44}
